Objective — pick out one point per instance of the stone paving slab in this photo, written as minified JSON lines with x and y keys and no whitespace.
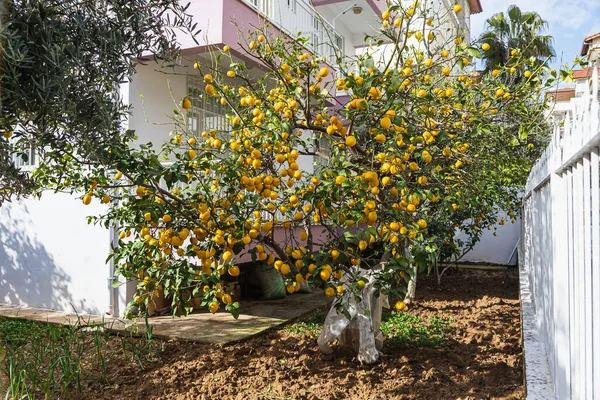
{"x":204,"y":327}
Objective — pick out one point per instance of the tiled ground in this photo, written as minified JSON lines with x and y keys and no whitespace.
{"x":255,"y":317}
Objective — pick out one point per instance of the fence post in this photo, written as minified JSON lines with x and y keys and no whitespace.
{"x":558,"y":273}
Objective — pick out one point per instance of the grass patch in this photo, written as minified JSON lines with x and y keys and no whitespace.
{"x":401,"y":327}
{"x":310,"y":326}
{"x":41,"y":360}
{"x":397,"y":328}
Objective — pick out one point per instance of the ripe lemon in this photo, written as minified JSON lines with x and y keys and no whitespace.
{"x":329,"y":292}
{"x":457,"y":8}
{"x":485,"y":47}
{"x":213,"y":306}
{"x":87,"y":199}
{"x":400,"y":305}
{"x":361,"y":284}
{"x":186,"y":104}
{"x":385,"y":123}
{"x":325,"y":274}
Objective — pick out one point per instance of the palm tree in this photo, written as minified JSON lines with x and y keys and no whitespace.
{"x":523,"y":30}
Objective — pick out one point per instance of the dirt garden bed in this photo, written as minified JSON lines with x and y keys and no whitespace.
{"x":480,"y":357}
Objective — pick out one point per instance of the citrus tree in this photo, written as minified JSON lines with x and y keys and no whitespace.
{"x":417,"y":148}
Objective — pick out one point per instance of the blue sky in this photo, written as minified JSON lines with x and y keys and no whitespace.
{"x":569,"y":21}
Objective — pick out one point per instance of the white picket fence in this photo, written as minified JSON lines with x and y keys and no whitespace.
{"x":560,"y":250}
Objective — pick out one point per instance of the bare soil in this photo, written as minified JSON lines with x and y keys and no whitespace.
{"x":483,"y":359}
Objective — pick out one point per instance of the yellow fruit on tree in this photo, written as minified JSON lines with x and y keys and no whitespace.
{"x":186,"y":104}
{"x":213,"y":307}
{"x":457,"y":8}
{"x":87,"y":199}
{"x":226,"y":299}
{"x":400,"y":305}
{"x":284,"y":269}
{"x":485,"y":47}
{"x":329,"y":292}
{"x":361,"y":284}
{"x":385,"y":123}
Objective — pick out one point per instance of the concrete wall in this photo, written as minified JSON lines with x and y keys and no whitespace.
{"x":153,"y":95}
{"x":498,"y":249}
{"x":51,"y":258}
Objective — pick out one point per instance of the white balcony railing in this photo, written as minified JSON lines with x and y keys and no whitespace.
{"x":296,"y":16}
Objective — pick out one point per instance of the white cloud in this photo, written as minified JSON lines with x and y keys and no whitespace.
{"x":560,"y":14}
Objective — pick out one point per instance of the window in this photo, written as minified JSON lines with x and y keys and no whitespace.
{"x":323,"y":150}
{"x":26,"y":159}
{"x":207,"y":113}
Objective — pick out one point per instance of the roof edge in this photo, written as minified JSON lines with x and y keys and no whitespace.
{"x":475,"y":6}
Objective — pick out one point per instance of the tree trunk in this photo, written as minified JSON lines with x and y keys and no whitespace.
{"x":361,"y":331}
{"x":412,"y":288}
{"x":350,"y":337}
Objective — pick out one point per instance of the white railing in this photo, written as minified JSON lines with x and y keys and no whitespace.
{"x":560,"y":250}
{"x":296,"y":16}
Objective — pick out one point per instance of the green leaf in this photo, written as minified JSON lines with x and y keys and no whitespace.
{"x":474,"y":52}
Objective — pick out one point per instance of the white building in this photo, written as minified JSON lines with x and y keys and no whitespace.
{"x":50,"y":257}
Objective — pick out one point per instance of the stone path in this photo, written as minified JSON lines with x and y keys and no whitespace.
{"x":220,"y":328}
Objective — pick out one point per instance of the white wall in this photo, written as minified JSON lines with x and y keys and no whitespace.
{"x":161,"y":90}
{"x":51,"y":258}
{"x":498,"y":249}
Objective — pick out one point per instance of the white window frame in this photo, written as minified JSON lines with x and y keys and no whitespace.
{"x":207,"y":113}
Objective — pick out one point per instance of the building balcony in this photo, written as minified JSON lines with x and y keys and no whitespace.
{"x":330,"y":26}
